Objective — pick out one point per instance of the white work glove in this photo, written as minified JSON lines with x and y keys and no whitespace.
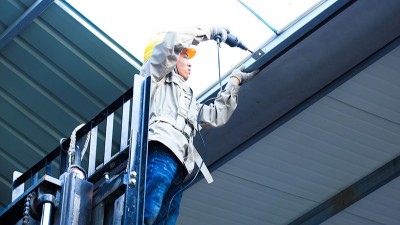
{"x":243,"y":77}
{"x":222,"y":32}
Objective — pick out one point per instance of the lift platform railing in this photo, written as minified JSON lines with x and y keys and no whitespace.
{"x":109,"y":178}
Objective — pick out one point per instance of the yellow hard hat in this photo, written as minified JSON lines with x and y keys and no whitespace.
{"x":157,"y":39}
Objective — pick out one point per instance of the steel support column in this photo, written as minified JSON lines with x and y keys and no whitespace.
{"x":135,"y":176}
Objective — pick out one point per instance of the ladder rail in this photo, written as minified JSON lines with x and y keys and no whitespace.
{"x":59,"y":150}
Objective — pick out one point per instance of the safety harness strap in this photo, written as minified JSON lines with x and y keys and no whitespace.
{"x":182,"y":119}
{"x":196,"y":156}
{"x":202,"y":166}
{"x":187,"y":130}
{"x":182,"y":122}
{"x":185,"y":126}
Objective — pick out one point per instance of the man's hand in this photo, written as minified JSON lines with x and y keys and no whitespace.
{"x":241,"y":76}
{"x":220,"y":32}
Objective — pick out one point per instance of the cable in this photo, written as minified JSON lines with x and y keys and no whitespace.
{"x":198,"y":128}
{"x":219,"y":69}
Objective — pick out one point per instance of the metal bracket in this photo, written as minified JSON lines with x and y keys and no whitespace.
{"x":256,"y":55}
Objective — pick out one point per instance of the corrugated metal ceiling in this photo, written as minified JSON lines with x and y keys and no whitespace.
{"x":57,"y":73}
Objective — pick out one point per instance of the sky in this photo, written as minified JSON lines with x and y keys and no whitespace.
{"x":132,"y":23}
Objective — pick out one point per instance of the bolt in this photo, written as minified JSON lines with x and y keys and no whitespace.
{"x":132,"y":178}
{"x":132,"y":181}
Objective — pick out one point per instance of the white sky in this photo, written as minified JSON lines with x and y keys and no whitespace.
{"x":132,"y":23}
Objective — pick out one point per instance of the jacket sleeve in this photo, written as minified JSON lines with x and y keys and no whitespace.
{"x":218,"y":113}
{"x":166,"y":54}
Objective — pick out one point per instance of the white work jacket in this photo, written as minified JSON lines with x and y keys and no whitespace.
{"x":174,"y":111}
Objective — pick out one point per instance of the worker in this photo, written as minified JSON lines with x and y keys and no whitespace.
{"x":174,"y":117}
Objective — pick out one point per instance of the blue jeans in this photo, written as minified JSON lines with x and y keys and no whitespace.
{"x":164,"y":181}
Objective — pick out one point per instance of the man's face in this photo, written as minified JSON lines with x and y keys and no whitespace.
{"x":184,"y":66}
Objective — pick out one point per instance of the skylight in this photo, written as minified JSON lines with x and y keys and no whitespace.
{"x":254,"y":22}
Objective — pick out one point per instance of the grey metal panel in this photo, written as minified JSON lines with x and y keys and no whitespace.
{"x":377,"y":92}
{"x":379,"y":95}
{"x":378,"y":133}
{"x":348,"y":218}
{"x":234,"y":199}
{"x":319,"y":152}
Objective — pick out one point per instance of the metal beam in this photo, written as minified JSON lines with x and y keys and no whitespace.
{"x":23,"y":21}
{"x":351,"y":194}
